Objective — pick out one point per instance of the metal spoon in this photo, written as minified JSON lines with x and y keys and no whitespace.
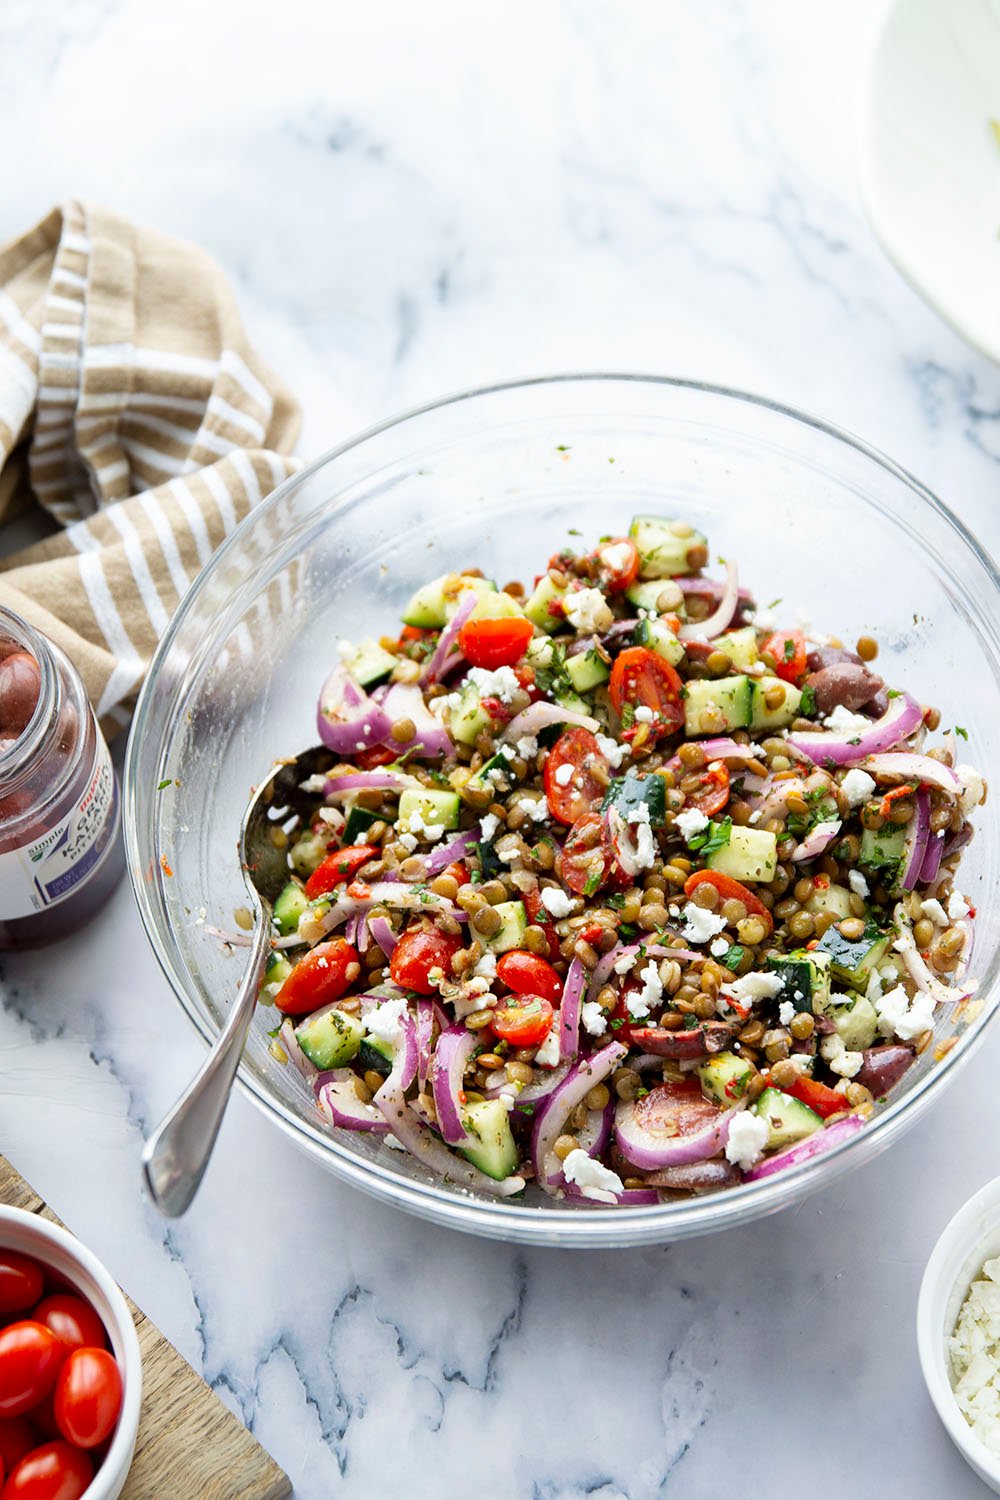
{"x":176,"y":1155}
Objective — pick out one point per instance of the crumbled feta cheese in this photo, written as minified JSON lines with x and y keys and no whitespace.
{"x":556,"y":901}
{"x":750,"y":988}
{"x":587,"y":609}
{"x":613,"y":753}
{"x":719,"y":947}
{"x":617,"y":556}
{"x":408,"y":841}
{"x":746,"y":1140}
{"x":958,"y":907}
{"x":700,"y":924}
{"x":432,"y":832}
{"x":547,"y":1055}
{"x":592,"y":1178}
{"x":564,"y":774}
{"x":497,"y":777}
{"x":499,"y":683}
{"x":908,"y":1019}
{"x":385,"y":1022}
{"x":540,"y":651}
{"x":643,"y":714}
{"x":315,"y":783}
{"x":536,"y":808}
{"x":486,"y":968}
{"x":935,"y":912}
{"x":527,"y":747}
{"x":973,"y":787}
{"x":690,"y":822}
{"x":857,"y":882}
{"x":755,"y":816}
{"x":626,"y":961}
{"x":640,"y":1002}
{"x":488,"y":826}
{"x":842,"y":721}
{"x":764,"y":619}
{"x":786,"y":1013}
{"x":857,"y":786}
{"x":595,"y":1022}
{"x":839,"y":1060}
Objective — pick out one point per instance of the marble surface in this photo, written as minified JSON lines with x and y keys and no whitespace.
{"x":411,"y":199}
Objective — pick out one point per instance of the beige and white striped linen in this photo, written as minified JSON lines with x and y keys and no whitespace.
{"x":133,"y":411}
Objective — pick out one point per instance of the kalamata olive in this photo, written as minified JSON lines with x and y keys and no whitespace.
{"x":843,"y":685}
{"x":20,"y":685}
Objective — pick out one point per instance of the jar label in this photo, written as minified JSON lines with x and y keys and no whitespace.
{"x":45,"y":871}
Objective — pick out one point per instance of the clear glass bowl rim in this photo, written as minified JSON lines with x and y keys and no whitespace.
{"x":506,"y":1220}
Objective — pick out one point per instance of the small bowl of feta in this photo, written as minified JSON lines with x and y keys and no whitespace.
{"x":958,"y":1331}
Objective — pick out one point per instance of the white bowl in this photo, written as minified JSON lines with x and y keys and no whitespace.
{"x":971,"y":1238}
{"x":928,"y":160}
{"x":60,"y":1252}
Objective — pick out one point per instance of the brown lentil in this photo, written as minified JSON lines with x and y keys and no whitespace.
{"x":563,"y":1145}
{"x":802,"y":1026}
{"x":851,"y":928}
{"x":867,"y":647}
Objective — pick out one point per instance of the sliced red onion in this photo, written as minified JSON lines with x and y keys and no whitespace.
{"x":288,"y":1039}
{"x":551,"y":1119}
{"x":648,"y":1150}
{"x":627,"y":1198}
{"x":381,"y":931}
{"x":931,"y":866}
{"x":346,"y":718}
{"x":813,"y":1145}
{"x":428,"y":1011}
{"x":533,"y":1093}
{"x":404,"y":700}
{"x":467,"y":601}
{"x":341,"y":1106}
{"x":918,"y":832}
{"x":818,"y":839}
{"x":383,"y":893}
{"x":723,"y":748}
{"x":903,"y":717}
{"x":361,"y":781}
{"x":569,"y":1010}
{"x":363,"y":936}
{"x":906,"y":946}
{"x":445,"y":854}
{"x":454,"y":1048}
{"x":231,"y":939}
{"x":721,"y":617}
{"x":539,"y":715}
{"x":593,"y":1136}
{"x":351,"y":929}
{"x":713,"y":588}
{"x":920,"y":768}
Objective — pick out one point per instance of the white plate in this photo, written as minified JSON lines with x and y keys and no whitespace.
{"x":929,"y":161}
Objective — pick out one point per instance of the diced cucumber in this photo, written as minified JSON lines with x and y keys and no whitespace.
{"x":628,"y":791}
{"x":715,"y":706}
{"x":659,"y":638}
{"x":468,"y":718}
{"x":491,"y":605}
{"x":492,"y":1147}
{"x":783,"y":713}
{"x":586,"y":670}
{"x":740,"y":646}
{"x":663,"y":545}
{"x":491,"y":866}
{"x":829,"y":897}
{"x":428,"y":609}
{"x":359,"y":820}
{"x":725,"y":1077}
{"x":368,"y":664}
{"x":375,"y":1056}
{"x":330,"y":1038}
{"x":788,"y":1120}
{"x":289,"y":907}
{"x":852,"y":960}
{"x":277,"y":971}
{"x":751,"y":854}
{"x":428,"y":807}
{"x":883,"y":851}
{"x":307,"y":854}
{"x":539,"y":607}
{"x":647,"y":595}
{"x":573,"y":702}
{"x":856,"y":1023}
{"x":513,"y":924}
{"x":806,"y":979}
{"x":494,"y":775}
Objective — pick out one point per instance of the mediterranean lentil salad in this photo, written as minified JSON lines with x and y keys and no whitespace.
{"x":617,"y":884}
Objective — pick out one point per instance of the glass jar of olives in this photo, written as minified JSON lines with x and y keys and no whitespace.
{"x":60,"y":836}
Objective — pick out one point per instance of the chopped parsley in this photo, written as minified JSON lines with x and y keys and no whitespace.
{"x":964,"y":733}
{"x":169,"y":782}
{"x":807,"y":705}
{"x":789,"y":648}
{"x":734,"y":957}
{"x":715,"y":836}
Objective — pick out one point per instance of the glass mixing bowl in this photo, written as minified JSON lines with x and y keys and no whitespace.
{"x":496,"y":478}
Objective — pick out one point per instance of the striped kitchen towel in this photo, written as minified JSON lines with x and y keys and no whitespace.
{"x":134,"y":412}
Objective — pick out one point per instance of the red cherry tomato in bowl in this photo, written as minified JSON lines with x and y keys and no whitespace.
{"x":30,"y":1357}
{"x":88,"y":1397}
{"x":525,"y":1021}
{"x":55,"y":1471}
{"x":341,"y":865}
{"x":712,"y":792}
{"x":73,"y":1321}
{"x":788,"y":647}
{"x":16,"y":1439}
{"x":495,"y":643}
{"x":586,"y":860}
{"x":730,"y":890}
{"x":571,"y":789}
{"x":319,"y":978}
{"x":527,"y":974}
{"x":22,"y":1282}
{"x":419,"y":950}
{"x":641,"y":678}
{"x":617,"y":564}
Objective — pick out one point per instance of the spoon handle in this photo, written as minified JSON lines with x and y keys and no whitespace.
{"x":176,"y":1155}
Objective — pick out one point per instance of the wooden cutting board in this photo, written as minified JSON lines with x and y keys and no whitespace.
{"x":189,"y":1443}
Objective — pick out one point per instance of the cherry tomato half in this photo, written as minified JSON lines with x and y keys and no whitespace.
{"x":617,"y":564}
{"x":319,"y":978}
{"x":16,"y":1439}
{"x":712,"y":792}
{"x":495,"y":643}
{"x":525,"y":1021}
{"x":22,"y":1281}
{"x":30,"y":1357}
{"x":88,"y":1397}
{"x":585,"y":862}
{"x":55,"y":1471}
{"x":640,"y":677}
{"x":73,"y":1321}
{"x":730,"y":890}
{"x":788,"y":647}
{"x":527,"y":974}
{"x":378,"y":755}
{"x":342,"y":865}
{"x":418,"y":951}
{"x":574,"y":791}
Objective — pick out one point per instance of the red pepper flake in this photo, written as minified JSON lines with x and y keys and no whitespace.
{"x":164,"y":866}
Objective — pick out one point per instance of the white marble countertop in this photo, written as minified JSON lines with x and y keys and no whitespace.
{"x":411,"y":199}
